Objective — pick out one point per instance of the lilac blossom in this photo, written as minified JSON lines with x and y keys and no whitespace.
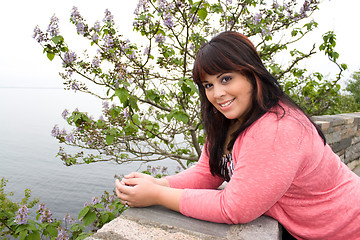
{"x":163,"y":6}
{"x":108,"y":17}
{"x":22,"y":215}
{"x":39,"y":36}
{"x":95,"y":200}
{"x":257,"y":18}
{"x":55,"y":132}
{"x":95,"y":37}
{"x":96,"y":62}
{"x":70,"y":138}
{"x":97,"y":26}
{"x":75,"y":15}
{"x":69,"y":57}
{"x":141,"y":5}
{"x":68,"y":220}
{"x":305,"y":8}
{"x":108,"y":41}
{"x":112,"y":198}
{"x":63,"y":132}
{"x":168,"y":20}
{"x":53,"y":28}
{"x":65,"y":114}
{"x":265,"y":31}
{"x":46,"y":215}
{"x":106,"y":105}
{"x":276,"y":4}
{"x":146,"y":50}
{"x":229,"y":1}
{"x":126,"y":113}
{"x":80,"y":28}
{"x":75,"y":86}
{"x":62,"y":235}
{"x":160,"y":38}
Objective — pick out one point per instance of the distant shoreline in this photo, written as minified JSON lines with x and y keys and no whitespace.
{"x":13,"y":87}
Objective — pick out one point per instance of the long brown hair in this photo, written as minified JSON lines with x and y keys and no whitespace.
{"x":233,"y":52}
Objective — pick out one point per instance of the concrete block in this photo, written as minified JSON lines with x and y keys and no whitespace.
{"x":157,"y":222}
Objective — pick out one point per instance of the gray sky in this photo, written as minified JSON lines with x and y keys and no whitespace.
{"x":22,"y":63}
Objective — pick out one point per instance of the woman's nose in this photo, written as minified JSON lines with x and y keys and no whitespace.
{"x":218,"y":91}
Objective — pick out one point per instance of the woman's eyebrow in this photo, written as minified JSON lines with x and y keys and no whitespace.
{"x":219,"y":75}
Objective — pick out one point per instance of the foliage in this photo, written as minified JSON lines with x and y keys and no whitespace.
{"x":353,"y":86}
{"x":154,"y":112}
{"x":16,"y":222}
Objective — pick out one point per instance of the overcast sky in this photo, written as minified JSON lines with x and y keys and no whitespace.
{"x":22,"y":63}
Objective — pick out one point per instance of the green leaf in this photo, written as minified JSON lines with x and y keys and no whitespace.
{"x":83,"y":212}
{"x":50,"y":56}
{"x":89,"y":218}
{"x":181,"y":116}
{"x":52,"y":230}
{"x":136,"y":120}
{"x":23,"y":234}
{"x":98,"y":205}
{"x":57,"y":39}
{"x":35,"y":235}
{"x":122,"y":94}
{"x":109,"y":139}
{"x":202,"y":13}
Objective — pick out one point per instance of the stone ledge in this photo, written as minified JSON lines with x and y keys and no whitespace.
{"x":157,"y":222}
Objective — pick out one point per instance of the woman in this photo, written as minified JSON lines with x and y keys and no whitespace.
{"x":275,"y":159}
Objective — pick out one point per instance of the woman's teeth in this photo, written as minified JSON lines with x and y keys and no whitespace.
{"x":227,"y":103}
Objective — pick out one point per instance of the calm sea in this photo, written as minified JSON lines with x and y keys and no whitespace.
{"x":28,"y":151}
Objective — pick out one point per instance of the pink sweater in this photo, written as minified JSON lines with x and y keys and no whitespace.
{"x":283,"y":170}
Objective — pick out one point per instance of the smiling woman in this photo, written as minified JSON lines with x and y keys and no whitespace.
{"x":275,"y":159}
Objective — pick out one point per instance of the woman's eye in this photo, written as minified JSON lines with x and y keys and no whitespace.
{"x":225,"y":79}
{"x":207,"y":85}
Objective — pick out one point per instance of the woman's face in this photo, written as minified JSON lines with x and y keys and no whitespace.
{"x":230,"y":93}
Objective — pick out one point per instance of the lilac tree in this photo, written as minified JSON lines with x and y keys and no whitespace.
{"x":151,"y":106}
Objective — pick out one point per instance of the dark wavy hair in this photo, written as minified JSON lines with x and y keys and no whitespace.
{"x":233,"y":52}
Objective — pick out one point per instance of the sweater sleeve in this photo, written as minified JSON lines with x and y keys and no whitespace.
{"x":196,"y":177}
{"x":267,"y":158}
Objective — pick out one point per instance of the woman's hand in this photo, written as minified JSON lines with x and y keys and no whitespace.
{"x":161,"y":181}
{"x":137,"y":192}
{"x":141,"y":190}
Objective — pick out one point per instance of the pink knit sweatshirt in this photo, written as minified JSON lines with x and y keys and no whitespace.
{"x":281,"y":169}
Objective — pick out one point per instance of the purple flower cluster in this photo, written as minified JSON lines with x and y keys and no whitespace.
{"x":96,"y":62}
{"x":142,"y":5}
{"x":65,"y":114}
{"x":75,"y":86}
{"x":39,"y":36}
{"x":108,"y":42}
{"x":80,"y":28}
{"x":108,"y":17}
{"x":46,"y":215}
{"x":69,"y":57}
{"x":62,"y":235}
{"x":22,"y":215}
{"x":257,"y":18}
{"x":168,"y":20}
{"x":75,"y":15}
{"x":95,"y":201}
{"x":68,"y":220}
{"x":305,"y":8}
{"x":97,"y":26}
{"x":160,"y":38}
{"x":53,"y":28}
{"x":164,"y":6}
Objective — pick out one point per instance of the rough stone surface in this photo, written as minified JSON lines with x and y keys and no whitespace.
{"x":160,"y":223}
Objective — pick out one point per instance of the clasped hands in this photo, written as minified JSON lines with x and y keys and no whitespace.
{"x":139,"y":190}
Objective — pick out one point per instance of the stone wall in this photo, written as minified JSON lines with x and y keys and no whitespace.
{"x":342,"y":133}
